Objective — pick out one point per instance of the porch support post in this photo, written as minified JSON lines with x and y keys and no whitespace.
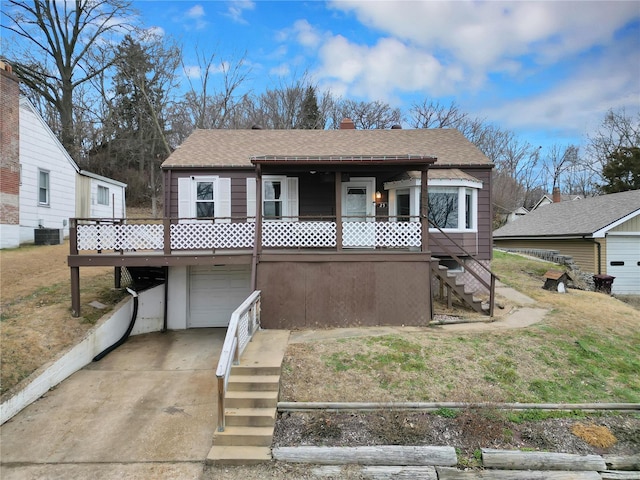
{"x":257,"y":242}
{"x":424,"y":211}
{"x":75,"y":291}
{"x":338,"y":183}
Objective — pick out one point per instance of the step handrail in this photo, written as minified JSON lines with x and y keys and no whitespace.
{"x":491,"y":286}
{"x":244,"y":322}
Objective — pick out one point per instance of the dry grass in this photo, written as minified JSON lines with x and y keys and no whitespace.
{"x":587,"y":349}
{"x":36,"y":322}
{"x":595,"y":435}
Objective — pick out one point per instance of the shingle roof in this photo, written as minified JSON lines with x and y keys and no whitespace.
{"x":583,"y":217}
{"x":234,"y":148}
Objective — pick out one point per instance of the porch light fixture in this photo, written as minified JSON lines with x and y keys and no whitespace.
{"x":378,"y":201}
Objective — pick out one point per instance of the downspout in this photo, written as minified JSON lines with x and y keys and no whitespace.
{"x":599,"y":248}
{"x":123,"y":339}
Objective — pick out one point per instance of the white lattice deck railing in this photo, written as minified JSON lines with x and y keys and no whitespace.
{"x":102,"y":236}
{"x":245,"y":321}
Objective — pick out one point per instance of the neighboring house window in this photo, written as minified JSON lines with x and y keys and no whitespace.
{"x":103,"y":195}
{"x":204,"y":197}
{"x":273,"y":198}
{"x":43,"y":187}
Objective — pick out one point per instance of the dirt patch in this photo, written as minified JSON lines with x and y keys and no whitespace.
{"x":468,"y":431}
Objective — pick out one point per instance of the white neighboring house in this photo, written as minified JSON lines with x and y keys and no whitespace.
{"x":52,"y":188}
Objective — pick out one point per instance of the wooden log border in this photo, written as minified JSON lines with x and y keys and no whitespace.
{"x":517,"y":460}
{"x":448,"y":473}
{"x":623,"y":462}
{"x":383,"y":455}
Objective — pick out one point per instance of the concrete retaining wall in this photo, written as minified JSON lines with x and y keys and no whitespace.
{"x":107,"y":331}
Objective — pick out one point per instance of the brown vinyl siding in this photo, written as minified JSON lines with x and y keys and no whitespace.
{"x":238,"y":188}
{"x":479,"y":244}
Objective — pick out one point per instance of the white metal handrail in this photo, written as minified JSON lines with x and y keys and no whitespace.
{"x":245,"y":321}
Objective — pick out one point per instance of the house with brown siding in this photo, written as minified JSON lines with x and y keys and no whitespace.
{"x":333,"y":227}
{"x":601,"y":234}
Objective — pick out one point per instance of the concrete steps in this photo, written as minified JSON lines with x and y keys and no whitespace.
{"x":251,"y":403}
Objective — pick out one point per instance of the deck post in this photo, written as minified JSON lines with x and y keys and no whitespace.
{"x":424,"y":210}
{"x":338,"y":183}
{"x":75,"y":291}
{"x":257,"y":242}
{"x":166,"y":230}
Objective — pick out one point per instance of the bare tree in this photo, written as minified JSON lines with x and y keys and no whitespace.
{"x":430,"y":114}
{"x":208,"y":105}
{"x":618,"y":130}
{"x":63,"y":39}
{"x":559,"y":161}
{"x":365,"y":115}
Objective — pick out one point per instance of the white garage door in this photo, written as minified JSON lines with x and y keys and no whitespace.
{"x":623,"y":262}
{"x":215,"y":292}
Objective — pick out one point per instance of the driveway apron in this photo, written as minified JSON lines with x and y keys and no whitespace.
{"x":151,"y":400}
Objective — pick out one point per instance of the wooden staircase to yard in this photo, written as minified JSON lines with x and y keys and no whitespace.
{"x":251,"y":403}
{"x":451,"y":283}
{"x":454,"y":284}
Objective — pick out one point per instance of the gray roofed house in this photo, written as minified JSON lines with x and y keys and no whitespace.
{"x":235,"y":148}
{"x":602,"y":234}
{"x":329,"y":226}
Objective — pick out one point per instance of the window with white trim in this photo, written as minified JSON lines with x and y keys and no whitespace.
{"x":279,"y":198}
{"x":452,"y":203}
{"x":204,"y":197}
{"x":453,"y":208}
{"x":44,"y":193}
{"x":103,"y":195}
{"x":205,"y":203}
{"x":273,"y":198}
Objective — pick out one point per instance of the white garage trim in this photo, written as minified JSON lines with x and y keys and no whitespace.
{"x":623,"y":262}
{"x":215,"y":292}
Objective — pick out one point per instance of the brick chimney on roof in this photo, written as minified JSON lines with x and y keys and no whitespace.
{"x":556,"y":197}
{"x":347,"y":124}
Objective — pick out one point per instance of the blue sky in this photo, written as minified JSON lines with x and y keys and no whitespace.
{"x":547,"y":70}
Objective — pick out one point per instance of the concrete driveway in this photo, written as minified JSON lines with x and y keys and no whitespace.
{"x":146,"y":410}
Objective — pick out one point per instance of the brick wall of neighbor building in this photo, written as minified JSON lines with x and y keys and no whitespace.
{"x":9,"y":146}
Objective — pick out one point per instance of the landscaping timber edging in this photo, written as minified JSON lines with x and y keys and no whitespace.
{"x":517,"y":460}
{"x":450,"y":473}
{"x":623,"y":462}
{"x":385,"y":455}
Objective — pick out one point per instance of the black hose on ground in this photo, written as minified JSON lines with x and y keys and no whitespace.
{"x":110,"y":349}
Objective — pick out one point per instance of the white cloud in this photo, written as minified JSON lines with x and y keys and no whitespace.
{"x":384,"y":69}
{"x":577,"y":104}
{"x":195,"y":17}
{"x":192,"y":71}
{"x":281,"y":70}
{"x":306,"y":34}
{"x":482,"y":35}
{"x":197,"y":11}
{"x":237,"y":8}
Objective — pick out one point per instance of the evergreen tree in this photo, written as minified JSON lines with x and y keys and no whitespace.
{"x":310,"y":118}
{"x":622,"y":170}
